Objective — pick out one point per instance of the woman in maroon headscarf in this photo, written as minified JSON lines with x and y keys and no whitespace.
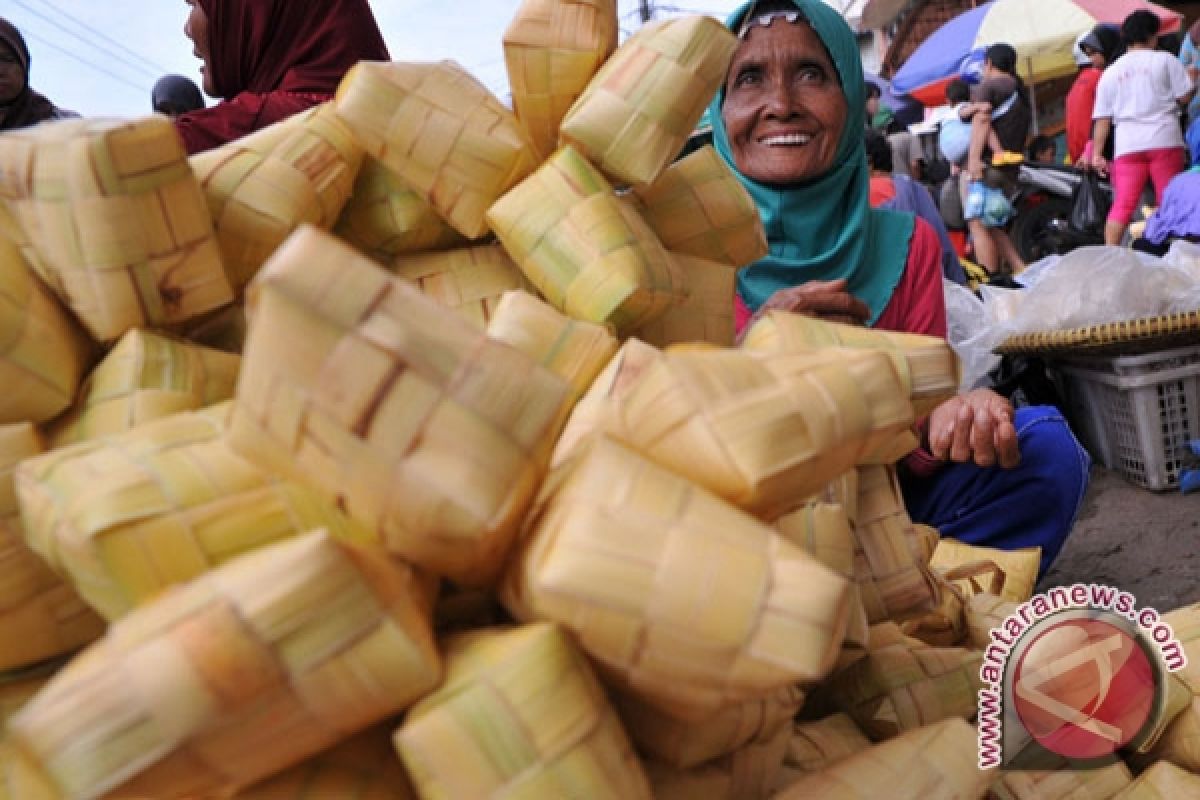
{"x":20,"y":106}
{"x":269,"y":59}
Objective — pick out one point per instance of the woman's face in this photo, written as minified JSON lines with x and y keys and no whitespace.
{"x":12,"y":76}
{"x":1097,"y":59}
{"x":196,"y":29}
{"x":784,"y":109}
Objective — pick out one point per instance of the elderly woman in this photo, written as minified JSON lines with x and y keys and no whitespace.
{"x":789,"y":122}
{"x":270,"y":59}
{"x":20,"y":106}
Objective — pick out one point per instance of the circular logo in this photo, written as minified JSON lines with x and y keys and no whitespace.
{"x":1084,"y":687}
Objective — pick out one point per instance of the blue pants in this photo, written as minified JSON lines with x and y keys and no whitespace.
{"x":1034,"y":504}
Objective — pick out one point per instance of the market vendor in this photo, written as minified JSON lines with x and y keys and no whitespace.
{"x":270,"y":60}
{"x":788,"y":121}
{"x":20,"y":106}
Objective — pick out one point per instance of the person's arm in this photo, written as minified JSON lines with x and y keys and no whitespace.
{"x":1101,"y":130}
{"x":981,"y":133}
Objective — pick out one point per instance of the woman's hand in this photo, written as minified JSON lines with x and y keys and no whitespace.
{"x":975,"y":426}
{"x":827,"y":300}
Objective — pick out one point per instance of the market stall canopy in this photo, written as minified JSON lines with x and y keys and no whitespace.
{"x":1042,"y":31}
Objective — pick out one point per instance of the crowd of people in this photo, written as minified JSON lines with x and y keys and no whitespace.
{"x":852,"y":237}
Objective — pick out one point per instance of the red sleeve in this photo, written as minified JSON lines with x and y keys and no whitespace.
{"x":232,"y":119}
{"x":1080,"y":101}
{"x":918,"y":305}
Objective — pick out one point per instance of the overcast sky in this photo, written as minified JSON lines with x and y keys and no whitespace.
{"x":100,"y":57}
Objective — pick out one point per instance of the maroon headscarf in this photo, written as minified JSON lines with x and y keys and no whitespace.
{"x":28,"y":107}
{"x":288,"y":45}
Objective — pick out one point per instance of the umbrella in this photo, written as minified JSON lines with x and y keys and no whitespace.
{"x":907,"y":109}
{"x":1042,"y":32}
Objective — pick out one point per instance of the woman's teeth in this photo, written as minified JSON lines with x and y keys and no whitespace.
{"x":789,"y":139}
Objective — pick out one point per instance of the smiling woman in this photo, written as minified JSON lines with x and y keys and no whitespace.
{"x":20,"y":106}
{"x":789,"y":120}
{"x":269,"y":59}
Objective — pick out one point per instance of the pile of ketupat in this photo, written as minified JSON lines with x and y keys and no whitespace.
{"x":402,"y":449}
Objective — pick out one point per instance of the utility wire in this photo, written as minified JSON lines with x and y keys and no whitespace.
{"x":150,"y":70}
{"x":141,"y":89}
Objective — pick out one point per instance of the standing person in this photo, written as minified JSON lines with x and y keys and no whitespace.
{"x":787,"y":122}
{"x":1189,"y":56}
{"x":20,"y":106}
{"x":1141,"y":94}
{"x":270,"y":59}
{"x":1009,"y":121}
{"x":174,"y":95}
{"x":1101,"y":46}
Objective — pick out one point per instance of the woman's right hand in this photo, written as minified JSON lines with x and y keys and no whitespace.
{"x":827,"y":300}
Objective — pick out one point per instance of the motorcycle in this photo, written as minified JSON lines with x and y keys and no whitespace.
{"x":1042,"y":199}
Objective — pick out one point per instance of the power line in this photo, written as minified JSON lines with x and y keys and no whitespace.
{"x":116,"y":54}
{"x":141,"y":89}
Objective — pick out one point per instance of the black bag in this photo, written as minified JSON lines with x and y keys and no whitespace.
{"x":1089,"y":206}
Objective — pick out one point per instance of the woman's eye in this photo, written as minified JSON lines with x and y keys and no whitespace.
{"x":811,"y":75}
{"x":747,"y":77}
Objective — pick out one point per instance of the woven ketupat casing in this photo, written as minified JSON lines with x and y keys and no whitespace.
{"x":814,"y":746}
{"x":749,"y":772}
{"x":688,"y":743}
{"x":684,"y":601}
{"x":18,"y":686}
{"x":899,"y":688}
{"x":574,"y":349}
{"x":891,"y":571}
{"x":384,"y":218}
{"x":1162,"y":781}
{"x":126,"y":516}
{"x":1059,"y":779}
{"x":40,"y":615}
{"x":237,"y":675}
{"x":1019,"y":566}
{"x":42,"y":353}
{"x":589,"y":254}
{"x":117,"y":220}
{"x":926,"y":364}
{"x":441,"y":132}
{"x":145,"y":377}
{"x":699,"y":207}
{"x":470,"y":280}
{"x":939,"y":760}
{"x":706,"y":315}
{"x":638,"y":111}
{"x":552,"y":48}
{"x":760,"y":432}
{"x":259,"y":190}
{"x":416,"y":423}
{"x":519,"y":714}
{"x":983,"y":612}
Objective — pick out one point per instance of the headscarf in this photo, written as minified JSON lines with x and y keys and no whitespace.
{"x":28,"y":107}
{"x":824,"y":229}
{"x":180,"y":94}
{"x":288,"y":45}
{"x":1105,"y":39}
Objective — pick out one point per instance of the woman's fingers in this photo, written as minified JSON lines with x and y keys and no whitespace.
{"x":982,"y":444}
{"x":1008,"y":455}
{"x":960,"y":446}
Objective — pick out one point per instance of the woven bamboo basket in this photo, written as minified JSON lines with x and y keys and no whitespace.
{"x":384,"y":218}
{"x":936,"y":761}
{"x":683,"y":600}
{"x":42,"y":353}
{"x":985,"y":611}
{"x":40,"y":616}
{"x":589,"y":254}
{"x":900,"y":688}
{"x":925,"y":539}
{"x":685,"y":744}
{"x":118,"y":221}
{"x":221,"y":683}
{"x":573,"y":349}
{"x":815,"y":746}
{"x":469,"y":280}
{"x":1163,"y":781}
{"x":363,"y":767}
{"x":552,"y":49}
{"x":259,"y":191}
{"x":224,"y":330}
{"x":926,"y":364}
{"x":441,"y":132}
{"x":746,"y":774}
{"x":417,"y":424}
{"x":520,"y":714}
{"x":946,"y":625}
{"x":699,"y":207}
{"x":706,"y":315}
{"x":126,"y":516}
{"x":759,"y":432}
{"x":1061,"y":779}
{"x":145,"y":377}
{"x":1020,"y":567}
{"x":892,"y":575}
{"x":638,"y":111}
{"x":459,"y":610}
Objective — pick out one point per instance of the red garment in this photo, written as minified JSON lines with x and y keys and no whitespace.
{"x":1080,"y":101}
{"x":273,"y":58}
{"x":883,"y":188}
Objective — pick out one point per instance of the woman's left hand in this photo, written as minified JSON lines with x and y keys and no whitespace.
{"x":976,"y":426}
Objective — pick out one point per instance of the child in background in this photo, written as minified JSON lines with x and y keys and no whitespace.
{"x":1042,"y":150}
{"x":954,"y":134}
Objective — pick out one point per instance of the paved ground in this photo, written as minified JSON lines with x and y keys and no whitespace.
{"x":1144,"y":542}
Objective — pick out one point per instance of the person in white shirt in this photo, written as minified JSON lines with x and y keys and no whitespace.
{"x":1142,"y":95}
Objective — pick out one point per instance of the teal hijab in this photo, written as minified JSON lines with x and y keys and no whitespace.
{"x":824,"y":229}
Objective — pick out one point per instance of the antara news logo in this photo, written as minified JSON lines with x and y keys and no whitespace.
{"x":1078,"y":671}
